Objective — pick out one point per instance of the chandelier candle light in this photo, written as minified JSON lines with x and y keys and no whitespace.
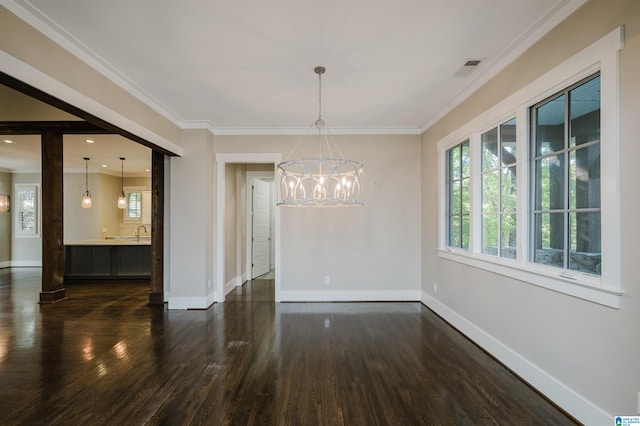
{"x":122,"y":201}
{"x":322,"y":181}
{"x":86,"y":199}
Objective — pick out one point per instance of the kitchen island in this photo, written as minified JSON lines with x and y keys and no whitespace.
{"x":116,"y":258}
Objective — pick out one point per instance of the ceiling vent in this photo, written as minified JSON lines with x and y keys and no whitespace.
{"x":467,"y":68}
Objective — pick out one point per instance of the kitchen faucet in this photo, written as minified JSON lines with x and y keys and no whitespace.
{"x":138,"y":232}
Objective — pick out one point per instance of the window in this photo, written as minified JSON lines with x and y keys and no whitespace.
{"x":27,"y":210}
{"x":134,"y":205}
{"x":565,"y":138}
{"x":499,"y":196}
{"x":540,"y":202}
{"x":458,"y":179}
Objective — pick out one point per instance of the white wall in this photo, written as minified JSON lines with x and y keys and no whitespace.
{"x":369,"y":253}
{"x":5,"y":222}
{"x":231,"y":224}
{"x":79,"y":223}
{"x":191,"y":223}
{"x":581,"y":354}
{"x":105,"y":202}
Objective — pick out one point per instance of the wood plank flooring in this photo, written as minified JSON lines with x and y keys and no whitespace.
{"x":103,"y":356}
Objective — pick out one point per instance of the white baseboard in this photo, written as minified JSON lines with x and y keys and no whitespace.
{"x":230,"y":285}
{"x":6,"y":264}
{"x":190,"y":302}
{"x":26,"y":264}
{"x":211,"y":299}
{"x":572,"y":402}
{"x":350,"y":296}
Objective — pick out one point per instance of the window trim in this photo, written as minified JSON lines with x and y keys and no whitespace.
{"x":17,"y":208}
{"x":601,"y":56}
{"x":128,"y":190}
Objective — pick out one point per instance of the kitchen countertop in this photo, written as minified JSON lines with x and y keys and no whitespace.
{"x":121,"y":241}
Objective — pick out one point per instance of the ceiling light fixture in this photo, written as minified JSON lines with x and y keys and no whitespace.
{"x":8,"y":141}
{"x":122,"y":201}
{"x":321,"y":181}
{"x":5,"y":203}
{"x":89,"y":140}
{"x":86,"y":199}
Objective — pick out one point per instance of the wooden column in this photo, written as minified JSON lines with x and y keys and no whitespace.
{"x":52,"y":219}
{"x":156,"y":293}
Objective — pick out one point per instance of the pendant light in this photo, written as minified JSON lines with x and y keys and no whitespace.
{"x":5,"y":203}
{"x":86,"y":199}
{"x":122,"y":201}
{"x":320,"y":181}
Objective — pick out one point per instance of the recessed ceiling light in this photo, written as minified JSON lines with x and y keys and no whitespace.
{"x":147,"y":170}
{"x":8,"y":141}
{"x":88,"y":140}
{"x":104,"y":165}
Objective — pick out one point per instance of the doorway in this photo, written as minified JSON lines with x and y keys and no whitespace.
{"x":260,"y":238}
{"x":222,"y":159}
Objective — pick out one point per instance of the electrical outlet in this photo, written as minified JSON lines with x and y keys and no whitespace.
{"x":327,"y":280}
{"x":435,"y":287}
{"x":208,"y":283}
{"x":104,"y":230}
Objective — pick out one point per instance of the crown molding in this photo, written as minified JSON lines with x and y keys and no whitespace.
{"x":492,"y":67}
{"x":41,"y":22}
{"x":301,"y":131}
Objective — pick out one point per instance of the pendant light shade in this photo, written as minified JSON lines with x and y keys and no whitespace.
{"x":327,"y":180}
{"x":122,"y":201}
{"x":86,"y":199}
{"x":5,"y":203}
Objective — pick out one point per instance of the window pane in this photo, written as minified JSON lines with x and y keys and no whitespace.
{"x":454,"y":231}
{"x":549,"y":239}
{"x":27,"y":210}
{"x":508,"y":142}
{"x":585,"y":247}
{"x":454,"y":163}
{"x":509,"y":194}
{"x":508,"y":237}
{"x":550,"y":183}
{"x":466,"y":196}
{"x":465,"y":160}
{"x":465,"y":231}
{"x":134,"y":205}
{"x":491,"y":192}
{"x":454,"y":197}
{"x":584,"y":177}
{"x":490,"y":159}
{"x":550,"y":126}
{"x":584,"y":109}
{"x":490,"y":234}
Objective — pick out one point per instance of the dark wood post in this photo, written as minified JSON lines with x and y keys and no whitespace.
{"x":52,"y":219}
{"x":156,"y":293}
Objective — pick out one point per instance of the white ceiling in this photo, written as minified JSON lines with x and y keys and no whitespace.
{"x":246,"y":66}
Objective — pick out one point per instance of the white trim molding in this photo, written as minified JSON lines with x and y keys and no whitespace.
{"x":351,"y":296}
{"x":575,"y":404}
{"x":607,"y":289}
{"x":221,"y":161}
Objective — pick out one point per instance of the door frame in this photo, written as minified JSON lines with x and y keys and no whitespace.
{"x":251,"y":176}
{"x":221,"y":162}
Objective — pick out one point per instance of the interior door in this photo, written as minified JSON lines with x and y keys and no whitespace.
{"x":261,"y":219}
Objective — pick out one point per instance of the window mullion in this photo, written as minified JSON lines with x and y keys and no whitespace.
{"x":567,"y":175}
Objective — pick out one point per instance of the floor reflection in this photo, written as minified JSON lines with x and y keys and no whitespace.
{"x":103,"y":356}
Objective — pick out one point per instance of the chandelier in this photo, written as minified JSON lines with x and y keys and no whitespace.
{"x":324,"y":181}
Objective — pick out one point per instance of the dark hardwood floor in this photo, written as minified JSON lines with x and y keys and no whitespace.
{"x":104,"y":357}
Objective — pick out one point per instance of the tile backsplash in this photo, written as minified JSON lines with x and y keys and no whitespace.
{"x":127,"y":229}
